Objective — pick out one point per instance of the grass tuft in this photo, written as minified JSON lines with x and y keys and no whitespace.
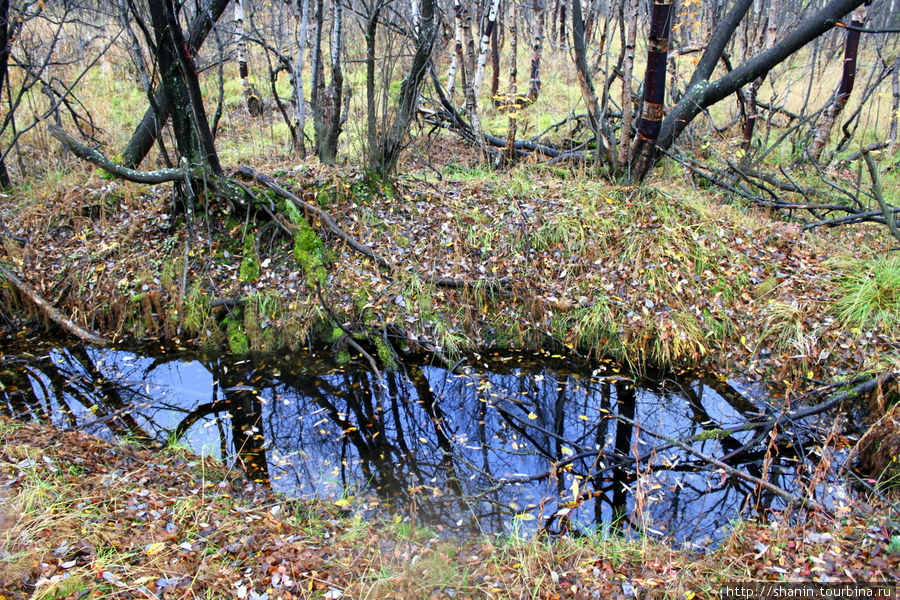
{"x":871,"y":294}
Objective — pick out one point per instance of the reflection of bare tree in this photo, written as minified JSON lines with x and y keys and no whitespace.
{"x":67,"y":376}
{"x":471,"y":447}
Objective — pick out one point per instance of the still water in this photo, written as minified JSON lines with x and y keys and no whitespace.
{"x":497,"y":443}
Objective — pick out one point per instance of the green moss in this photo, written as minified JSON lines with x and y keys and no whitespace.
{"x":309,"y":250}
{"x":249,"y":270}
{"x":385,"y":355}
{"x":237,"y":339}
{"x":711,"y":434}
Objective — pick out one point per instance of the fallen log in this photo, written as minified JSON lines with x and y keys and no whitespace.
{"x":49,"y":311}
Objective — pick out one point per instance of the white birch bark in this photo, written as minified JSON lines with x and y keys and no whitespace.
{"x":299,"y":93}
{"x":485,"y":46}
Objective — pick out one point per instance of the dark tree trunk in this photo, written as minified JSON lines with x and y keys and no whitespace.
{"x":409,"y":90}
{"x":179,"y":80}
{"x":4,"y":66}
{"x":495,"y":63}
{"x":563,"y":36}
{"x":654,"y":86}
{"x":371,"y":117}
{"x":702,"y":93}
{"x":585,"y":82}
{"x":537,"y":46}
{"x":848,"y":77}
{"x":326,"y":100}
{"x":155,"y":117}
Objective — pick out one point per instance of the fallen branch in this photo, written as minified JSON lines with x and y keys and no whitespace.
{"x":96,"y":158}
{"x":51,"y":312}
{"x":886,"y":208}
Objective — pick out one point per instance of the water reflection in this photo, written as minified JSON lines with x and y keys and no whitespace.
{"x":501,"y":442}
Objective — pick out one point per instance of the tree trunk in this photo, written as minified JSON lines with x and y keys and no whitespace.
{"x":586,"y":84}
{"x":409,"y":90}
{"x":298,"y":92}
{"x":654,"y":87}
{"x":155,"y":117}
{"x":457,"y":48}
{"x":630,"y":18}
{"x":851,"y":48}
{"x":512,"y":102}
{"x":336,"y":88}
{"x":471,"y":99}
{"x":750,"y":106}
{"x":327,"y":100}
{"x":4,"y":67}
{"x":895,"y":104}
{"x":484,"y":45}
{"x":563,"y":38}
{"x":495,"y":63}
{"x":179,"y":80}
{"x":537,"y":46}
{"x":251,"y":96}
{"x":371,"y":117}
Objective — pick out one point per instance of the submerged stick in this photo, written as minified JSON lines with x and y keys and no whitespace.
{"x":50,"y":311}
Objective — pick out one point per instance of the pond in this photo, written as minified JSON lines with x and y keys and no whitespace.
{"x":495,"y":443}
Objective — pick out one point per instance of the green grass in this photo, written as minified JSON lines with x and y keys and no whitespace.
{"x":871,"y":294}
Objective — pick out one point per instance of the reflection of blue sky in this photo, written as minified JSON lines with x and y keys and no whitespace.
{"x":498,"y":425}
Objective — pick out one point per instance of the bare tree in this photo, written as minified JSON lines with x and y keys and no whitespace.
{"x":326,"y":100}
{"x":848,"y":77}
{"x":654,"y":86}
{"x":537,"y":46}
{"x":157,"y":114}
{"x":251,"y":96}
{"x":426,"y":31}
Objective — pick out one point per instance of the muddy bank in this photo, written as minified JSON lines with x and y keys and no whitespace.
{"x":118,"y":521}
{"x":647,"y":277}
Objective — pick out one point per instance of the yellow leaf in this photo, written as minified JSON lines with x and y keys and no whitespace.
{"x":532,"y":416}
{"x":525,"y":517}
{"x":566,"y":450}
{"x":583,"y":417}
{"x":574,"y":489}
{"x":154,"y":548}
{"x":343,"y":503}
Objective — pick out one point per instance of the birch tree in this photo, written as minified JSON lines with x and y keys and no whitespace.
{"x":484,"y":46}
{"x":538,"y":7}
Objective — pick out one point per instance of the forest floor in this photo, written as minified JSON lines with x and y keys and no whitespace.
{"x":83,"y":518}
{"x":665,"y":275}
